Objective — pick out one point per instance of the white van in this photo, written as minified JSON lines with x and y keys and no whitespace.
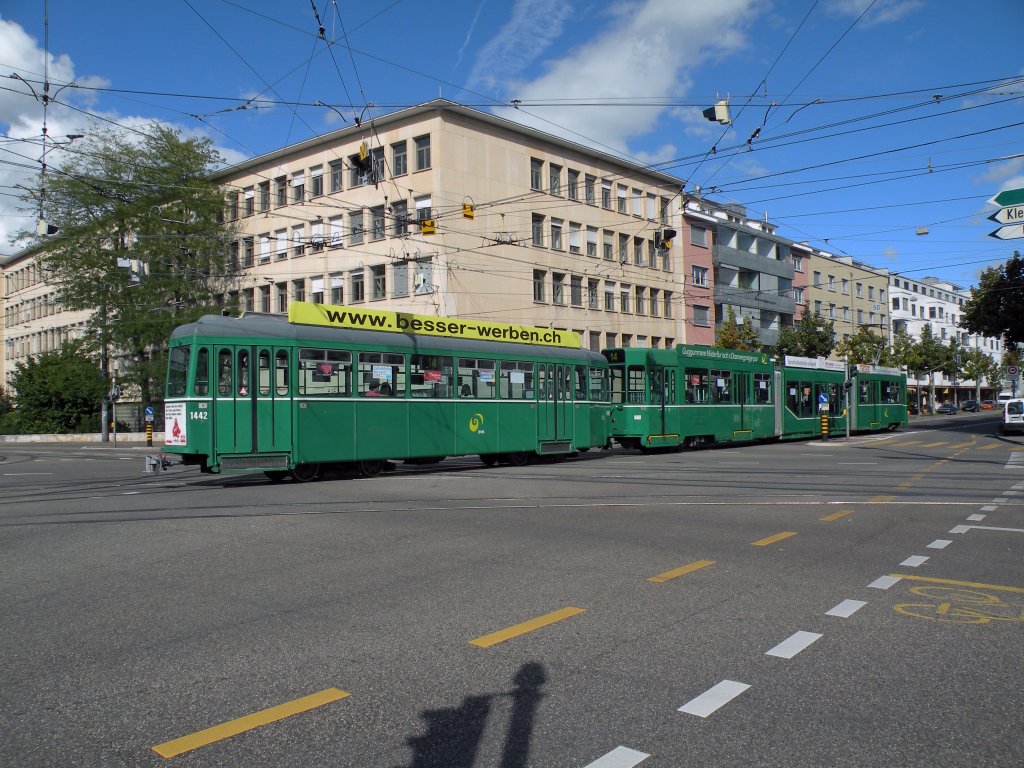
{"x":1002,"y":398}
{"x":1013,"y":416}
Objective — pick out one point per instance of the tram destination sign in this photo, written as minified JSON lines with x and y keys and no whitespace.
{"x":306,"y":313}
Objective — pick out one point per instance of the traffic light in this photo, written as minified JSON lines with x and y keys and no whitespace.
{"x":663,"y":238}
{"x":428,"y":227}
{"x":468,"y":212}
{"x":719,"y":113}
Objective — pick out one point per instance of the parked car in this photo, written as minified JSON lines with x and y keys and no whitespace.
{"x":988,"y":405}
{"x":970,"y":406}
{"x":947,"y":408}
{"x":1013,"y":416}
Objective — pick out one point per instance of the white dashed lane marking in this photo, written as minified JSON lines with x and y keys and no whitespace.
{"x":793,"y":644}
{"x":846,"y":608}
{"x":884,"y":582}
{"x":620,"y":757}
{"x":940,"y":544}
{"x":914,"y":561}
{"x":714,"y":698}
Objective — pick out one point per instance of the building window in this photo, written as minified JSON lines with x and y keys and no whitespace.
{"x":282,"y":297}
{"x":817,"y":280}
{"x":316,"y":181}
{"x":576,"y":291}
{"x":667,"y":304}
{"x":316,"y":290}
{"x":298,"y":290}
{"x":377,"y":223}
{"x":699,"y":275}
{"x":248,"y":251}
{"x":573,"y":185}
{"x":608,"y":246}
{"x":623,"y":249}
{"x":336,"y":172}
{"x":264,"y":196}
{"x":609,"y":297}
{"x":281,"y":191}
{"x":337,"y":289}
{"x":400,"y":211}
{"x":624,"y":292}
{"x":537,"y":230}
{"x":536,"y":170}
{"x":655,"y":297}
{"x":589,"y":183}
{"x":832,"y":283}
{"x":356,"y":288}
{"x":699,"y":236}
{"x":606,"y":194}
{"x":858,"y":289}
{"x":798,"y":295}
{"x":298,"y":239}
{"x":557,"y":288}
{"x":377,"y":164}
{"x":555,"y":179}
{"x":379,"y":287}
{"x":817,"y":308}
{"x":400,"y":278}
{"x":399,"y":159}
{"x":844,"y":287}
{"x":798,"y":263}
{"x":620,"y":202}
{"x":592,"y":241}
{"x":265,"y":298}
{"x":641,"y":300}
{"x":316,"y":236}
{"x":701,"y":316}
{"x":250,"y":201}
{"x":538,"y":284}
{"x":592,"y":294}
{"x":355,"y":227}
{"x":574,"y":237}
{"x":298,"y":187}
{"x":556,"y":234}
{"x":422,"y":152}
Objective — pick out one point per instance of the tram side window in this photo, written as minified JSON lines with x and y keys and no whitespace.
{"x":697,"y":385}
{"x":224,"y":384}
{"x":721,"y":391}
{"x":762,"y":388}
{"x":670,"y":385}
{"x":864,"y":392}
{"x":281,"y":374}
{"x":381,"y":374}
{"x":580,"y":383}
{"x":324,"y":372}
{"x":566,"y":390}
{"x":637,"y":384}
{"x":202,"y":383}
{"x":430,"y":376}
{"x":516,"y":381}
{"x":476,"y":379}
{"x":891,"y":393}
{"x":598,"y":385}
{"x":177,"y":372}
{"x":243,"y":372}
{"x":835,"y":403}
{"x":264,"y":372}
{"x":617,"y":383}
{"x":799,"y":400}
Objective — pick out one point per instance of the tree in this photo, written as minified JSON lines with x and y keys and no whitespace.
{"x":865,"y":346}
{"x":733,"y":335}
{"x":140,"y":244}
{"x":996,"y":308}
{"x":59,"y":391}
{"x":810,"y":336}
{"x":976,"y":365}
{"x":930,"y":356}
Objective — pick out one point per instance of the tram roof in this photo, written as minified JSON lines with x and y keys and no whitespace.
{"x":258,"y":325}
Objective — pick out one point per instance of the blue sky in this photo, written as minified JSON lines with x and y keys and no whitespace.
{"x":874,"y":118}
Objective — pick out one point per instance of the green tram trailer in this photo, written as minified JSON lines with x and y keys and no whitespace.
{"x":261,"y":394}
{"x":693,"y":395}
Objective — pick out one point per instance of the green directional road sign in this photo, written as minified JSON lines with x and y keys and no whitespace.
{"x":1008,"y":197}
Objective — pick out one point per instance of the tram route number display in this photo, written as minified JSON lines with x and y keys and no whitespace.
{"x":175,"y":424}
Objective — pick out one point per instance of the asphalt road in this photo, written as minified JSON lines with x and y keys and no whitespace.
{"x":841,"y":603}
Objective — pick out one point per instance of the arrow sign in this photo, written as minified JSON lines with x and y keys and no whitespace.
{"x":1013,"y":214}
{"x":1008,"y":197}
{"x":1011,"y":232}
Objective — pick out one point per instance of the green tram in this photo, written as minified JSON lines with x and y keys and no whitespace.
{"x":261,"y":393}
{"x":693,"y":395}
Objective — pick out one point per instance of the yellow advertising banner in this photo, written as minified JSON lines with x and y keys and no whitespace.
{"x":306,"y":313}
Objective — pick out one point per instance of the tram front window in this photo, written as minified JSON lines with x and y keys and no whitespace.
{"x":177,"y":372}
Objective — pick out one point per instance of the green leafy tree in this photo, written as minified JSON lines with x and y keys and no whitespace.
{"x":976,"y":365}
{"x":733,"y":335}
{"x":810,"y":336}
{"x":930,"y":356}
{"x":865,"y":346}
{"x":59,"y":391}
{"x":996,"y":308}
{"x":141,"y":244}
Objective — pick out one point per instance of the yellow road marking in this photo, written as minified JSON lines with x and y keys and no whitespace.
{"x":905,"y":484}
{"x":934,"y":445}
{"x":241,"y":725}
{"x":989,"y":447}
{"x":836,"y":515}
{"x":899,"y":445}
{"x":688,"y":568}
{"x":974,"y":584}
{"x":881,"y":498}
{"x":772,"y":539}
{"x":962,"y":445}
{"x":522,"y":628}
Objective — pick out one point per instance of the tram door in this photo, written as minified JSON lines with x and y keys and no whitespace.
{"x":234,"y":397}
{"x":660,"y":400}
{"x":741,"y":396}
{"x":272,"y":422}
{"x":554,"y":395}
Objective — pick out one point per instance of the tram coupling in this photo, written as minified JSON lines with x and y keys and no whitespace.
{"x":159,"y":462}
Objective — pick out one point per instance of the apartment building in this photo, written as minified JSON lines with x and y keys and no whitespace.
{"x":849,"y":293}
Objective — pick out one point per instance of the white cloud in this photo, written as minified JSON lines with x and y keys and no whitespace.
{"x":883,"y":11}
{"x":645,"y":49}
{"x":21,"y":118}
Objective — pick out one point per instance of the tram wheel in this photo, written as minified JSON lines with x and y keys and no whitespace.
{"x":489,"y":459}
{"x":303,"y":473}
{"x":276,"y":476}
{"x":519,"y":458}
{"x":371,"y":468}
